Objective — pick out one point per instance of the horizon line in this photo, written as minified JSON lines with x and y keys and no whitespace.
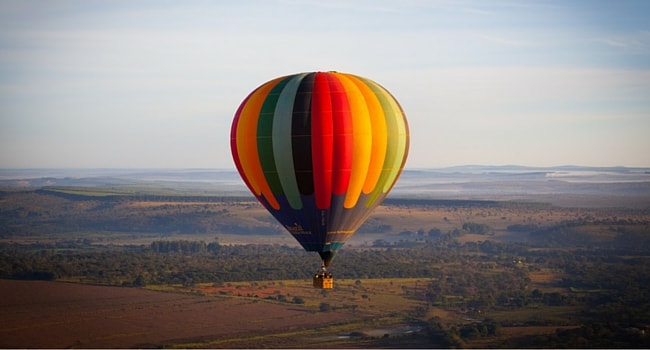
{"x":405,"y":168}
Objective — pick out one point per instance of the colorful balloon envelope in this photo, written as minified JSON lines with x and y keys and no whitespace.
{"x":320,"y":151}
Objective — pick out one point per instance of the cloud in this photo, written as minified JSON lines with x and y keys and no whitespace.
{"x":506,"y":41}
{"x":529,"y":115}
{"x":636,"y":43}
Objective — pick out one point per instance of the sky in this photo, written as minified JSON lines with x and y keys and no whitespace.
{"x":155,"y":84}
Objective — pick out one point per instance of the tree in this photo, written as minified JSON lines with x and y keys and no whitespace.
{"x":139,"y":281}
{"x":325,"y":307}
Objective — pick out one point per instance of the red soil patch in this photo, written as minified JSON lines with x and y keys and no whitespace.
{"x":511,"y":332}
{"x":252,"y":291}
{"x":37,"y":314}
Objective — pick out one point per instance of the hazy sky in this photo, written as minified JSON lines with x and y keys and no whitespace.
{"x":156,"y":83}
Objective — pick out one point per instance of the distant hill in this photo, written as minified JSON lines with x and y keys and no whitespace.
{"x":563,"y":185}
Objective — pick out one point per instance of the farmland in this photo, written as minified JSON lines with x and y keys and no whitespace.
{"x":40,"y":314}
{"x":127,"y":266}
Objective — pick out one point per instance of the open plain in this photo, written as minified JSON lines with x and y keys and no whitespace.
{"x":455,"y":260}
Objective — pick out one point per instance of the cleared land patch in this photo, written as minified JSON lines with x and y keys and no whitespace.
{"x":39,"y":314}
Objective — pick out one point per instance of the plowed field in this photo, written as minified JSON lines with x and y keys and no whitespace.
{"x":38,"y":314}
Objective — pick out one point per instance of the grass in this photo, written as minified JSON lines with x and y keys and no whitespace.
{"x":539,"y":315}
{"x":304,"y":337}
{"x":264,"y":339}
{"x":376,"y":302}
{"x":140,"y":189}
{"x":91,"y":191}
{"x":381,"y":298}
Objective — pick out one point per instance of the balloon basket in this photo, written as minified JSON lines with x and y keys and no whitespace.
{"x":323,"y":280}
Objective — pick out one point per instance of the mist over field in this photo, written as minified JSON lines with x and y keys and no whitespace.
{"x":561,"y":185}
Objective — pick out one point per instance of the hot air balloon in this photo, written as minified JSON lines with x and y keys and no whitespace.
{"x":320,"y":151}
